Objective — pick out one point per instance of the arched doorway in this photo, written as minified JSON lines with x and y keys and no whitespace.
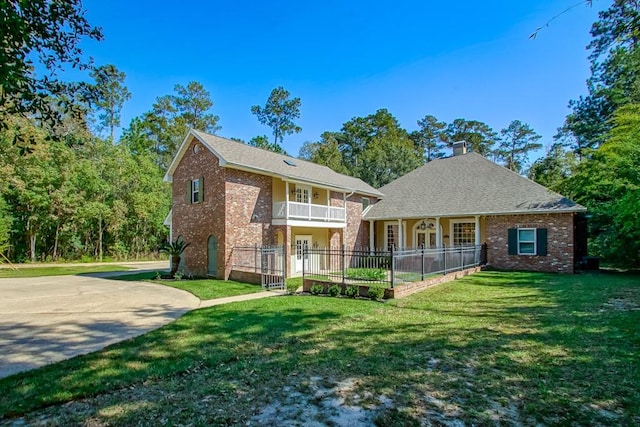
{"x":212,"y":256}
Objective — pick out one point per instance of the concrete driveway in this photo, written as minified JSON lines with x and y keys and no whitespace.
{"x":48,"y":319}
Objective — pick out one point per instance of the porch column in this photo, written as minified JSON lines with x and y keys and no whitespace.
{"x":400,"y":242}
{"x":286,"y":200}
{"x":372,"y":241}
{"x":477,"y":230}
{"x":328,"y":205}
{"x":438,"y":233}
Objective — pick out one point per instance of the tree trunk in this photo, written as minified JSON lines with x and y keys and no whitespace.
{"x":175,"y":263}
{"x":100,"y":233}
{"x":32,"y":246}
{"x":55,"y":243}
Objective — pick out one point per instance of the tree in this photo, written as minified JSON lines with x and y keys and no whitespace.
{"x":608,"y":184}
{"x":162,"y":129}
{"x":109,"y":95}
{"x":479,"y":136}
{"x":279,"y":114}
{"x":6,"y":221}
{"x":262,"y":141}
{"x":554,"y":168}
{"x":376,"y":149}
{"x":430,"y":139}
{"x":325,"y":152}
{"x":516,"y":141}
{"x":42,"y":35}
{"x":615,"y":76}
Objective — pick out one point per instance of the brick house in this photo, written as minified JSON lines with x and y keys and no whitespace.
{"x":227,"y":194}
{"x":467,"y":199}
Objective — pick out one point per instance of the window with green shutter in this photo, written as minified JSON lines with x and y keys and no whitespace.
{"x":527,"y":241}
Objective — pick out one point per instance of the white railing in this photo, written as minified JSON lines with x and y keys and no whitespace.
{"x":309,"y":212}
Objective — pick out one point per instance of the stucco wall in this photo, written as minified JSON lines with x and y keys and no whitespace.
{"x":560,"y":242}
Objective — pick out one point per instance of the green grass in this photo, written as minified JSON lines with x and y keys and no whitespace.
{"x":492,"y":348}
{"x":58,"y":271}
{"x":202,"y":288}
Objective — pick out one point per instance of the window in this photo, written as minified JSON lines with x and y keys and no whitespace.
{"x":302,"y":193}
{"x":391,"y":236}
{"x":527,"y":241}
{"x":464,"y":233}
{"x":365,"y":203}
{"x":195,"y":191}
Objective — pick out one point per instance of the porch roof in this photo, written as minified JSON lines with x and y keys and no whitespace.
{"x":464,"y":185}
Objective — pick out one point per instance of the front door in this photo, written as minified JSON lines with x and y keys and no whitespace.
{"x":302,"y":260}
{"x":212,"y":256}
{"x":427,"y":238}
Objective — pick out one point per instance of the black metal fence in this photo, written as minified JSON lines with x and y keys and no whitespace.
{"x":268,"y":261}
{"x":386,"y":268}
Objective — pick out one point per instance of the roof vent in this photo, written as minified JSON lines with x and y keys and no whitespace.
{"x":290,"y":162}
{"x":459,"y":147}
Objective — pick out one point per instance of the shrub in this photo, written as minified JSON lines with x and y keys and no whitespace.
{"x":352,"y":291}
{"x":376,"y":292}
{"x":365,"y":274}
{"x":335,"y":290}
{"x":316,"y":289}
{"x":292,"y":286}
{"x":178,"y":275}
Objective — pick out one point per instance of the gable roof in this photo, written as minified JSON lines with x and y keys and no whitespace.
{"x":237,"y":155}
{"x":466,"y":184}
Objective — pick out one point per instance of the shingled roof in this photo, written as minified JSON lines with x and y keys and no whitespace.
{"x":466,"y":184}
{"x":237,"y":155}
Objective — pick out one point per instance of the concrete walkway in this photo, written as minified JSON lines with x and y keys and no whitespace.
{"x":49,"y":319}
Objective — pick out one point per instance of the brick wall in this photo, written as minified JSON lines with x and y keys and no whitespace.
{"x":196,"y":222}
{"x":248,"y":211}
{"x":560,"y":247}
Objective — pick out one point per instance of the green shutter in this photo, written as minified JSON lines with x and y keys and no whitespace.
{"x":202,"y":189}
{"x":513,"y":241}
{"x":541,"y":241}
{"x":189,"y":192}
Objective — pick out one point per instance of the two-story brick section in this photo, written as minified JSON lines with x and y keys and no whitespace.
{"x":227,"y":194}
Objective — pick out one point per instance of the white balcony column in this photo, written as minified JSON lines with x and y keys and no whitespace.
{"x":328,"y":205}
{"x":372,"y":240}
{"x":286,"y":198}
{"x":400,"y":242}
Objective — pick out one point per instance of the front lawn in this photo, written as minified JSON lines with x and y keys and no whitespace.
{"x":488,"y":349}
{"x":202,"y":288}
{"x":58,"y":271}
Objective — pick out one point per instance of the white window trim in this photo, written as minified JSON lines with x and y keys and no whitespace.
{"x":534,"y":241}
{"x":386,"y":234}
{"x":193,"y":192}
{"x":460,"y":221}
{"x":299,"y":189}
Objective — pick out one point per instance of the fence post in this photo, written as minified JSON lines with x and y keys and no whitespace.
{"x":343,"y":257}
{"x":422,"y":262}
{"x":305,"y":256}
{"x":444,"y":258}
{"x":393,"y":266}
{"x":461,"y":257}
{"x":255,"y":256}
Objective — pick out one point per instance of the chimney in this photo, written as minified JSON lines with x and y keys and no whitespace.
{"x":459,"y":147}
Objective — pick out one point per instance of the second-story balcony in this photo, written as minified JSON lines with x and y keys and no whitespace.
{"x":309,"y":212}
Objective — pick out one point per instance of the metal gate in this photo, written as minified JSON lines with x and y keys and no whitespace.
{"x":272,"y":267}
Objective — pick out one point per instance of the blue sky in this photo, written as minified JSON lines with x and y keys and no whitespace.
{"x":455,"y":59}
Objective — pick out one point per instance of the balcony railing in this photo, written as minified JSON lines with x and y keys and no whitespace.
{"x":308,"y":212}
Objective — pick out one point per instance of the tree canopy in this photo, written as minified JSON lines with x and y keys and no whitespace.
{"x":279,"y":114}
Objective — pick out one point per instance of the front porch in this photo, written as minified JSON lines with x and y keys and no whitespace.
{"x":427,"y":232}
